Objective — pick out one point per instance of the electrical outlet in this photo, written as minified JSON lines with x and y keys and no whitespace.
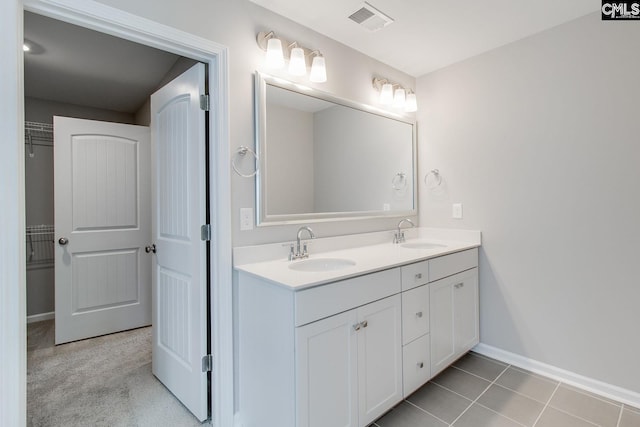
{"x":246,"y":219}
{"x":457,"y":211}
{"x":386,"y":207}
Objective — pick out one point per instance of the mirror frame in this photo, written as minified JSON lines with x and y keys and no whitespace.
{"x":262,"y":218}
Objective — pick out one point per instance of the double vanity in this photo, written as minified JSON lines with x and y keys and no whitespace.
{"x":340,"y":337}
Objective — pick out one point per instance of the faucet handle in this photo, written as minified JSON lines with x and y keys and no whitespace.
{"x":291,"y":253}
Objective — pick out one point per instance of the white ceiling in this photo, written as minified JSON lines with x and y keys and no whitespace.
{"x":79,"y":66}
{"x":429,"y":34}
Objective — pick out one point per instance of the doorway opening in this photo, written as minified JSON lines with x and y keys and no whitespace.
{"x":214,"y":56}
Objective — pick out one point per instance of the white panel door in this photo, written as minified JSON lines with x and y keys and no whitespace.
{"x":179,"y":209}
{"x":326,"y":363}
{"x":379,"y":358}
{"x":102,"y":221}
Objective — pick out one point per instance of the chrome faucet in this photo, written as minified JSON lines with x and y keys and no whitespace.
{"x":399,"y":236}
{"x":299,"y":254}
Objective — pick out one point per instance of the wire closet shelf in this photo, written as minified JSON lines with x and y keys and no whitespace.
{"x":39,"y":244}
{"x":40,"y":134}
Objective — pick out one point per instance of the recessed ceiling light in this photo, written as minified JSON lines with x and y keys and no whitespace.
{"x":26,"y":47}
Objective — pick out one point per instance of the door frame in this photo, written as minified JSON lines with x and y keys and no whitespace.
{"x":109,"y":20}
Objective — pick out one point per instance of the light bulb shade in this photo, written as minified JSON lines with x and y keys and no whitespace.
{"x":399,"y":98}
{"x":274,"y":58}
{"x":411,"y":104}
{"x":297,"y":65}
{"x":386,"y":94}
{"x":318,"y":70}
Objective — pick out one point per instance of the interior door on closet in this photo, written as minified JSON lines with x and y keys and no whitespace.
{"x":102,"y":223}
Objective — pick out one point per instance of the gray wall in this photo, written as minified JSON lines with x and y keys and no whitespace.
{"x":539,"y":140}
{"x":41,"y":110}
{"x":235,"y":25}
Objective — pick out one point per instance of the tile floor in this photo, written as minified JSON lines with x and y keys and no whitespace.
{"x":481,"y":392}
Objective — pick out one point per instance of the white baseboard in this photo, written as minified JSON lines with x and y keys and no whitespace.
{"x":40,"y":317}
{"x":585,"y":383}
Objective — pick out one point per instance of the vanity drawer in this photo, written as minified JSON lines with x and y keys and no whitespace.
{"x":416,"y":365}
{"x":451,"y":264}
{"x":326,"y":300}
{"x":414,"y":275}
{"x":415,"y":313}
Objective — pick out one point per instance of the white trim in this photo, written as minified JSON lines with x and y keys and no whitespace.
{"x":106,"y":19}
{"x":13,"y":334}
{"x":591,"y":385}
{"x":41,"y":317}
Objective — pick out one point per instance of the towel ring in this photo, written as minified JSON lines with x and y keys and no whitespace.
{"x":242,"y":151}
{"x":437,"y":177}
{"x":399,"y":181}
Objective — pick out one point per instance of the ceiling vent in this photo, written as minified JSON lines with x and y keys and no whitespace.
{"x":370,"y":17}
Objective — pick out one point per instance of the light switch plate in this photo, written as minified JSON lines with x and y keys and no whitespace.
{"x":246,"y":219}
{"x":457,"y":211}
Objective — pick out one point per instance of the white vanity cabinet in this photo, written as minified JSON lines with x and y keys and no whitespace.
{"x":453,"y":308}
{"x":348,"y":366}
{"x":439,"y":315}
{"x":323,"y":356}
{"x":343,"y":353}
{"x":416,"y":367}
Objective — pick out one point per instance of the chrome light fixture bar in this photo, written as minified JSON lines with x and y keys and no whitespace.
{"x":278,"y":50}
{"x":395,"y":95}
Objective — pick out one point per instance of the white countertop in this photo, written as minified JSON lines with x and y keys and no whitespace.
{"x":270,"y":262}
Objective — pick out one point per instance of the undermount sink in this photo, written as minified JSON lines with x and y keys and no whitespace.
{"x":422,"y":245}
{"x":321,"y":264}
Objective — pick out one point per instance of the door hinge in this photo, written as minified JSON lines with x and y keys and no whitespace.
{"x":204,"y":102}
{"x":207,"y":363}
{"x":205,"y":232}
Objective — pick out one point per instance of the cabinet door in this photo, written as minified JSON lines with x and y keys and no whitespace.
{"x":379,"y":358}
{"x":441,"y":322}
{"x":465,"y":294}
{"x":326,"y":367}
{"x":453,"y":317}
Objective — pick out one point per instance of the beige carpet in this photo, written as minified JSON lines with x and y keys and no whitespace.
{"x":104,"y":381}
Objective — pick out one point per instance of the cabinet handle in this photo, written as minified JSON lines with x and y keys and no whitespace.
{"x":420,"y":365}
{"x":419,"y":314}
{"x":459,"y":285}
{"x":418,"y":276}
{"x":360,"y":325}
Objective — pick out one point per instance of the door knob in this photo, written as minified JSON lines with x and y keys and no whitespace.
{"x":151,"y":248}
{"x":63,"y":241}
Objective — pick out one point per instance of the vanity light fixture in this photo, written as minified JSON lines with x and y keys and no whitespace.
{"x":279,"y":50}
{"x":395,"y":95}
{"x":386,"y":94}
{"x":399,"y":98}
{"x":274,"y":58}
{"x":318,"y":68}
{"x":297,"y":63}
{"x":411,"y":103}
